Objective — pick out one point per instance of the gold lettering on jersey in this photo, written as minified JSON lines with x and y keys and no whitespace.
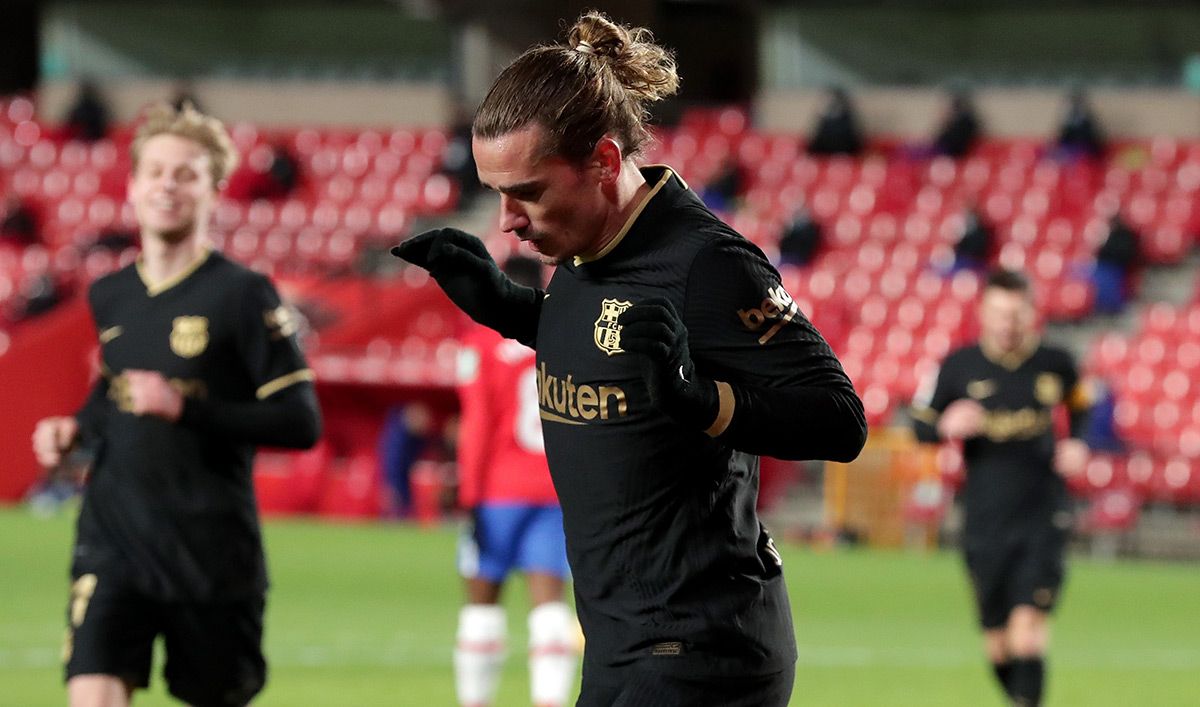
{"x":1047,"y":388}
{"x":562,"y":400}
{"x":981,"y":389}
{"x":109,"y":333}
{"x":118,"y":390}
{"x":189,"y":336}
{"x":778,"y":307}
{"x":607,"y":333}
{"x":1026,"y":423}
{"x":281,"y":321}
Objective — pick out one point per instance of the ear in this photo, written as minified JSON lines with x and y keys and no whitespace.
{"x":607,"y":156}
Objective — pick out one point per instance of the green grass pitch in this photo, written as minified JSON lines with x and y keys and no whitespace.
{"x":365,"y":614}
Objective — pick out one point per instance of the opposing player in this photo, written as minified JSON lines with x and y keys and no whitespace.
{"x":998,"y":397}
{"x":516,"y":519}
{"x":199,"y":364}
{"x":668,"y":356}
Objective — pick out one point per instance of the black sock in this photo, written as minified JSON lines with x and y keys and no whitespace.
{"x":1028,"y":674}
{"x":1003,"y":673}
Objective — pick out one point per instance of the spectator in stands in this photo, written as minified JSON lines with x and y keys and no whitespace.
{"x":88,"y":117}
{"x":517,"y":524}
{"x":974,"y":245}
{"x":185,"y":95}
{"x":800,"y":240}
{"x":1117,"y":262}
{"x":270,"y":172}
{"x":1079,"y":134}
{"x":1101,"y":432}
{"x":458,"y":162}
{"x":959,"y":129}
{"x":406,"y":433}
{"x":18,"y":224}
{"x":837,"y":131}
{"x":725,"y":188}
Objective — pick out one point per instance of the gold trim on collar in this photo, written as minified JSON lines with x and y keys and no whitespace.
{"x":1013,"y":359}
{"x":272,"y":387}
{"x":155,"y":289}
{"x":581,"y":259}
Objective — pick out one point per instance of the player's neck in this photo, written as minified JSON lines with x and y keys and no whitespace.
{"x":632,"y":189}
{"x":162,"y":260}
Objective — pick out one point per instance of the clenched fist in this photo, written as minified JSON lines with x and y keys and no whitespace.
{"x":151,"y":394}
{"x":53,"y":438}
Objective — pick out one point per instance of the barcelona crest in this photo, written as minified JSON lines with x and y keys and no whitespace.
{"x":189,"y":336}
{"x":607,"y":333}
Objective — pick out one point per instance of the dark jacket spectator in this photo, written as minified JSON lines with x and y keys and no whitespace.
{"x":960,"y":128}
{"x":1115,"y":273}
{"x":458,"y":161}
{"x":88,"y":118}
{"x":974,"y":246}
{"x":270,"y":172}
{"x":837,"y":131}
{"x":18,"y":224}
{"x":801,"y":239}
{"x":725,"y":188}
{"x":1079,"y":134}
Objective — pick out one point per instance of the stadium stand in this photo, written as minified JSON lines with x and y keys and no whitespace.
{"x":881,"y":289}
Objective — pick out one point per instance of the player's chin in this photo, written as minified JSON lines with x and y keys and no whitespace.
{"x":174,"y":232}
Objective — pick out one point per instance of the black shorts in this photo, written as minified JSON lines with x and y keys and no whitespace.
{"x":637,"y":686}
{"x":214,"y":650}
{"x":1025,"y":572}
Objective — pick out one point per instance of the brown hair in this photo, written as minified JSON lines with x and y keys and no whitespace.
{"x":1008,"y":280}
{"x":187,"y":122}
{"x":599,"y":83}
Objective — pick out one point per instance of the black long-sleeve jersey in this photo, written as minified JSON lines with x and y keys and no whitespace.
{"x":1011,"y":485}
{"x":669,"y":559}
{"x":171,"y":505}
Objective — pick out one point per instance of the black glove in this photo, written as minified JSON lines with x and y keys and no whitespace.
{"x":464,"y":269}
{"x":655,"y":332}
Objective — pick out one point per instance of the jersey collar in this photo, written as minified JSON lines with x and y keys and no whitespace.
{"x":1011,"y":360}
{"x":154,"y":289}
{"x":667,"y":173}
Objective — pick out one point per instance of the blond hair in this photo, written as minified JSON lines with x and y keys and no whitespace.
{"x":189,"y":123}
{"x":599,"y":83}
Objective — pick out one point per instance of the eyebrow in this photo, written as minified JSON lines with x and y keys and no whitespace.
{"x":517,"y":188}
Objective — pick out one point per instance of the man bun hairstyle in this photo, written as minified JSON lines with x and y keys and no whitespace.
{"x":600,"y":82}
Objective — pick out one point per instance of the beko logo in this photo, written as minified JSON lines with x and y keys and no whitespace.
{"x":778,"y":308}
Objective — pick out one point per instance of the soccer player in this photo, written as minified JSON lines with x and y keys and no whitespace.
{"x":516,"y":519}
{"x":998,"y":398}
{"x":199,"y":365}
{"x":668,"y":357}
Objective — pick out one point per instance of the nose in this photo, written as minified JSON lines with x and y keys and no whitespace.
{"x":512,"y":216}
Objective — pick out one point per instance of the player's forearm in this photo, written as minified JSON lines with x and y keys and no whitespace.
{"x":290,"y":418}
{"x":516,"y":315}
{"x":803,"y":422}
{"x":95,"y":410}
